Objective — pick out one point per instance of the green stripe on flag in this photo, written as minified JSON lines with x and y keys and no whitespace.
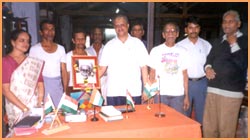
{"x":68,"y":109}
{"x":100,"y":102}
{"x":147,"y":92}
{"x":96,"y":98}
{"x":48,"y":110}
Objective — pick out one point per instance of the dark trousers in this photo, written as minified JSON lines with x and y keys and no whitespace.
{"x":197,"y":91}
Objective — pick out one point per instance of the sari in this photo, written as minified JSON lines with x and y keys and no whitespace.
{"x":23,"y":83}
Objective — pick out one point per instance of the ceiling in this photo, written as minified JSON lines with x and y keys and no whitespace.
{"x":99,"y":13}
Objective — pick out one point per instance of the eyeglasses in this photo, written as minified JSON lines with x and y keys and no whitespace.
{"x":170,"y":31}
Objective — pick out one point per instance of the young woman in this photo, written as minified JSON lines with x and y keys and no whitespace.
{"x":21,"y":78}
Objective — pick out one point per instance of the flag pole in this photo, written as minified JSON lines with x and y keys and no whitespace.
{"x":94,"y":119}
{"x":148,"y":106}
{"x":126,"y":111}
{"x":55,"y":118}
{"x":56,"y":112}
{"x":159,"y":114}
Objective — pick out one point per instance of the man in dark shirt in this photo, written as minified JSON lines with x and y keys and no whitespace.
{"x":226,"y":68}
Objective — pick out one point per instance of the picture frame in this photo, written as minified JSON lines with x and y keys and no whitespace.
{"x":84,"y":71}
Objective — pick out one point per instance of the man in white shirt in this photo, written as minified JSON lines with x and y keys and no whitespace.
{"x":125,"y":60}
{"x":97,"y":45}
{"x":78,"y":39}
{"x":198,"y":49}
{"x":54,"y":72}
{"x":168,"y":65}
{"x":96,"y":49}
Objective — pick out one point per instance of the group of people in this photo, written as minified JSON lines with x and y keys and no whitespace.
{"x":192,"y":74}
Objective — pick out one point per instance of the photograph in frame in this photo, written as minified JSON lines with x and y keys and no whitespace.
{"x":85,"y":71}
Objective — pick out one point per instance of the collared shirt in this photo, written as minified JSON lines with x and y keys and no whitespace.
{"x":124,"y":62}
{"x":91,"y":51}
{"x":197,"y":54}
{"x":235,"y":46}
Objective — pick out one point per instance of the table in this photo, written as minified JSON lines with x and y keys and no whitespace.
{"x":140,"y":124}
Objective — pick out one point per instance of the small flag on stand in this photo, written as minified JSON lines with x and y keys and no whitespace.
{"x":96,"y":98}
{"x":68,"y":104}
{"x":49,"y":105}
{"x":150,"y":91}
{"x":129,"y":100}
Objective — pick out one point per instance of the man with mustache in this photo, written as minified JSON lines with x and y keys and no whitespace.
{"x":124,"y":58}
{"x":198,"y":49}
{"x":79,"y":40}
{"x":54,"y":71}
{"x":226,"y":69}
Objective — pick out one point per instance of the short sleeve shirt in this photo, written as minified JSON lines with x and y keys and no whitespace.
{"x":124,"y":62}
{"x":169,"y":63}
{"x":52,"y":67}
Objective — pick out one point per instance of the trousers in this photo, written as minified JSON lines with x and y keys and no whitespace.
{"x":197,"y":91}
{"x":220,"y":116}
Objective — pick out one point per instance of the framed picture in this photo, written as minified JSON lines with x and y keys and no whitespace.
{"x":85,"y":71}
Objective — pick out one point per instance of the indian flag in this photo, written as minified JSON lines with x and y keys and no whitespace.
{"x":129,"y":100}
{"x":49,"y":105}
{"x":68,"y":104}
{"x":96,"y":98}
{"x":150,"y":91}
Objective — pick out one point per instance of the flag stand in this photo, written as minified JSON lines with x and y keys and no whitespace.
{"x":56,"y":126}
{"x":94,"y":119}
{"x":159,"y":114}
{"x":148,"y":106}
{"x":126,"y":111}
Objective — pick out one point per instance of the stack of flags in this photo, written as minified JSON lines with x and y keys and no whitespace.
{"x":70,"y":105}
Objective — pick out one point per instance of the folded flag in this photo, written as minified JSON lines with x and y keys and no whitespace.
{"x":68,"y":104}
{"x":129,"y":100}
{"x":150,"y":91}
{"x":96,"y":98}
{"x":48,"y":105}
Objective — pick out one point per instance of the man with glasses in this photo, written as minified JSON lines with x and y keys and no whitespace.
{"x":125,"y":60}
{"x":226,"y":69}
{"x":168,"y":66}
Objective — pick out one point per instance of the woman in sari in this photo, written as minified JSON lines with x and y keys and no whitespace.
{"x":22,"y":83}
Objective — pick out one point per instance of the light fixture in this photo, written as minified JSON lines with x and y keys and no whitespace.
{"x":117,"y":10}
